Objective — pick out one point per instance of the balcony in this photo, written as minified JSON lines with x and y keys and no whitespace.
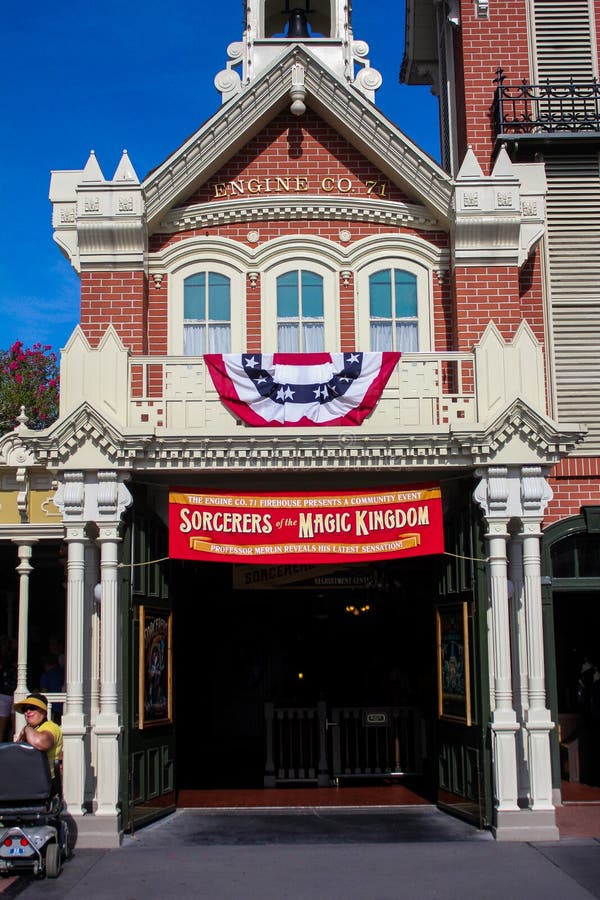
{"x":553,"y":109}
{"x":424,"y":390}
{"x":427,"y":392}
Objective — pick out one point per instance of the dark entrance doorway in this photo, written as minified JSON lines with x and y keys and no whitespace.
{"x":571,"y":558}
{"x":577,"y":626}
{"x":350,"y":652}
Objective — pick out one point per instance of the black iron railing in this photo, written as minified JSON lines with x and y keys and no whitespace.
{"x":555,"y":106}
{"x":324,"y":745}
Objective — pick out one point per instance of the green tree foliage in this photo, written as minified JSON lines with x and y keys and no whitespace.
{"x":29,"y":377}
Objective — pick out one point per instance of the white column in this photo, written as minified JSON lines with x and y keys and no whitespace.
{"x":107,"y":727}
{"x":503,"y":720}
{"x":538,"y":721}
{"x":73,"y":722}
{"x":24,"y":569}
{"x":518,"y":632}
{"x":92,"y":651}
{"x":509,"y":497}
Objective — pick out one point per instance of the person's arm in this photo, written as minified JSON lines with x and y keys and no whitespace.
{"x":41,"y":740}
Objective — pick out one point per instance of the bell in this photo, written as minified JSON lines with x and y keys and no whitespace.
{"x":297,"y":24}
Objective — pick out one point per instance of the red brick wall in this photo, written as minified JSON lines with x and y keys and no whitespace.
{"x":305,"y":149}
{"x":575,"y":483}
{"x":532,"y":296}
{"x":443,"y":313}
{"x":118,"y":299}
{"x":482,"y":294}
{"x":481,"y":46}
{"x":253,"y":317}
{"x":158,"y":317}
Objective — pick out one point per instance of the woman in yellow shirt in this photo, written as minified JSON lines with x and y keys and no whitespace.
{"x":39,"y":731}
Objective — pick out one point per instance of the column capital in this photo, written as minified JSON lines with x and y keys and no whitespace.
{"x":497,"y":527}
{"x":25,"y":552}
{"x":536,"y":493}
{"x":109,"y":531}
{"x":25,"y":542}
{"x":531,"y":527}
{"x":75,"y":532}
{"x":94,"y":496}
{"x":512,"y":492}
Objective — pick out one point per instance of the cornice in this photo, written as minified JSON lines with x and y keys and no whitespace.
{"x":299,"y":207}
{"x":545,"y":439}
{"x":28,"y":533}
{"x":539,"y":441}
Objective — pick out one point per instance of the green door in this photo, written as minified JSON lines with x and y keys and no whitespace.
{"x":148,"y":758}
{"x":463,"y":754}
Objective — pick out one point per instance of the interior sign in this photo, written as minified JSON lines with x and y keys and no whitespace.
{"x":311,"y":528}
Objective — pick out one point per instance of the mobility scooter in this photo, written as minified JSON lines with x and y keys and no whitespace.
{"x":34,"y":836}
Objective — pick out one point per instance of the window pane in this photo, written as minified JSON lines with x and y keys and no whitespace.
{"x":193,"y":340}
{"x":287,"y":296}
{"x":588,"y":551}
{"x":380,"y":294}
{"x":406,"y":293}
{"x":563,"y":558}
{"x":194,"y":294}
{"x":219,"y":339}
{"x":218,"y":298}
{"x":287,"y":338}
{"x":407,"y":337}
{"x":312,"y":295}
{"x":381,"y":336}
{"x":313,"y":337}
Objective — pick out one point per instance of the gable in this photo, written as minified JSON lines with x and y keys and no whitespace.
{"x":354,"y":120}
{"x":298,"y":156}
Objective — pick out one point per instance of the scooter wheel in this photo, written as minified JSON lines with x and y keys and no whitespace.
{"x":53,"y":861}
{"x":65,"y":841}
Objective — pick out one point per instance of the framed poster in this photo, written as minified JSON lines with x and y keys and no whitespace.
{"x":454,"y":695}
{"x":155,"y":668}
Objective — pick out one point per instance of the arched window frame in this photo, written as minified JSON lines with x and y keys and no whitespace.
{"x":297,"y":262}
{"x":423,"y":276}
{"x":564,"y":534}
{"x":176,"y":297}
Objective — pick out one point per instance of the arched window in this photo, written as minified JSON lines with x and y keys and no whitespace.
{"x":300,"y":319}
{"x":206,"y":314}
{"x":576,"y":556}
{"x":393,"y":311}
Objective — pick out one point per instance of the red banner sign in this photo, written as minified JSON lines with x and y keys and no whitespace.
{"x":306,"y":528}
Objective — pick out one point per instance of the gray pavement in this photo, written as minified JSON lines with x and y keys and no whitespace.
{"x":417,"y":853}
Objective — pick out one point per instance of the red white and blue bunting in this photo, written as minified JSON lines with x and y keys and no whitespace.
{"x":300,"y":389}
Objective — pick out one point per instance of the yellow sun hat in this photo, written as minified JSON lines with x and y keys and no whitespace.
{"x":37,"y":700}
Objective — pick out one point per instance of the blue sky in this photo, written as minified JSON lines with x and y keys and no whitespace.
{"x":78,"y":76}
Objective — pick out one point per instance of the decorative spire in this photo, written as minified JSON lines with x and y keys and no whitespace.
{"x":125,"y":171}
{"x":92,"y":170}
